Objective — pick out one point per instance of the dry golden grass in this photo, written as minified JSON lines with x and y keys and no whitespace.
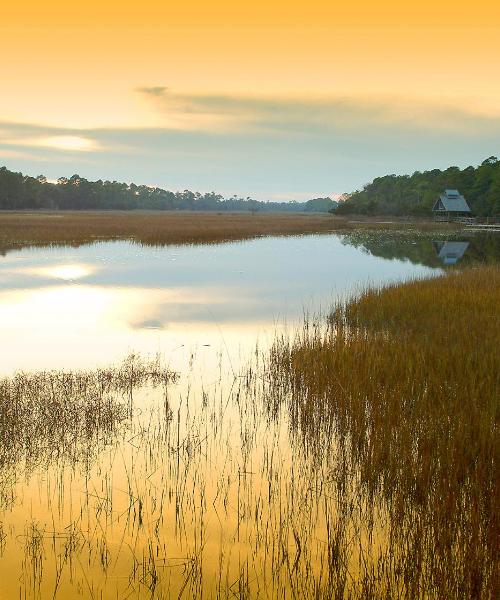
{"x":162,"y":228}
{"x":407,"y":379}
{"x":155,"y":227}
{"x":69,"y":414}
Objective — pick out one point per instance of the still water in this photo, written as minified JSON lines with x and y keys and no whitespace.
{"x":77,"y":307}
{"x":186,"y":488}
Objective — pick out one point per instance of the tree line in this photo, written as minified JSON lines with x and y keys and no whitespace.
{"x":416,"y":194}
{"x":22,"y":192}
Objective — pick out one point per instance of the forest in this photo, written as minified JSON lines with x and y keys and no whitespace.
{"x":22,"y":192}
{"x":403,"y":195}
{"x":416,"y":194}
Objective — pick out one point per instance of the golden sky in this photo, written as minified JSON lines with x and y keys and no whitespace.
{"x":97,"y":64}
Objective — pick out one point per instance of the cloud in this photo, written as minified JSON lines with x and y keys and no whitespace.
{"x":8,"y":153}
{"x":318,"y":115}
{"x":14,"y":137}
{"x":266,"y":147}
{"x":69,"y":143}
{"x":156,"y":90}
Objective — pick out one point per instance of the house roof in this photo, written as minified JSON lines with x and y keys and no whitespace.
{"x":451,"y":201}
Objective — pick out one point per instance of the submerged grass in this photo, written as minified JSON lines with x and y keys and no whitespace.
{"x":406,"y":379}
{"x":71,"y":414}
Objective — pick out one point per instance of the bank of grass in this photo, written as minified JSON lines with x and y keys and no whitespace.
{"x":406,"y":379}
{"x":163,"y":228}
{"x":154,"y":228}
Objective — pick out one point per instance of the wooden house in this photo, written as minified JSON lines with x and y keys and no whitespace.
{"x":451,"y":204}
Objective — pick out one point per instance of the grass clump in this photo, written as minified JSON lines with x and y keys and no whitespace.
{"x":50,"y":414}
{"x":406,"y":380}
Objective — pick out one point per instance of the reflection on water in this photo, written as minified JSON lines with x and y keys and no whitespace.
{"x":90,"y":305}
{"x":466,"y":248}
{"x":78,"y":307}
{"x":84,"y":306}
{"x":193,"y":489}
{"x":450,"y":252}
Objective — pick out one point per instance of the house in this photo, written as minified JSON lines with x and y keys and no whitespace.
{"x":451,"y":204}
{"x":450,"y":252}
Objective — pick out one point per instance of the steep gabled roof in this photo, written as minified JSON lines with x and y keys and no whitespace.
{"x":451,"y":201}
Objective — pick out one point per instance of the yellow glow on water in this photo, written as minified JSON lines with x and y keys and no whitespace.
{"x":196,"y":490}
{"x":44,"y":308}
{"x":67,"y":272}
{"x":70,"y":326}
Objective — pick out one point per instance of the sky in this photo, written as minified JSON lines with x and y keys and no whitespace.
{"x":276,"y":100}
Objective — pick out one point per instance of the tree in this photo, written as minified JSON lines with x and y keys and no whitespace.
{"x":399,"y":195}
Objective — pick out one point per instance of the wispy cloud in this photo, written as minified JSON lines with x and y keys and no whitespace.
{"x":311,"y":115}
{"x":270,"y":148}
{"x":9,"y":153}
{"x":156,"y":91}
{"x":72,"y":143}
{"x":14,"y":137}
{"x":63,"y":143}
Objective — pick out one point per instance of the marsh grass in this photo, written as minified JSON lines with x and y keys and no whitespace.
{"x":71,"y":414}
{"x":406,"y":379}
{"x":357,"y":460}
{"x":18,"y":230}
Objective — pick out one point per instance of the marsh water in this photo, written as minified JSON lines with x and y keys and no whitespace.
{"x":81,"y":307}
{"x":196,"y":488}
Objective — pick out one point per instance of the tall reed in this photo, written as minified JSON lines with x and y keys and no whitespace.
{"x":407,"y":381}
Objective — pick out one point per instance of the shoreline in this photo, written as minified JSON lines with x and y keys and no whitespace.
{"x":45,"y":228}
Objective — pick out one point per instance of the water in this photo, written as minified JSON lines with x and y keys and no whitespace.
{"x":77,"y":307}
{"x":194,"y":488}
